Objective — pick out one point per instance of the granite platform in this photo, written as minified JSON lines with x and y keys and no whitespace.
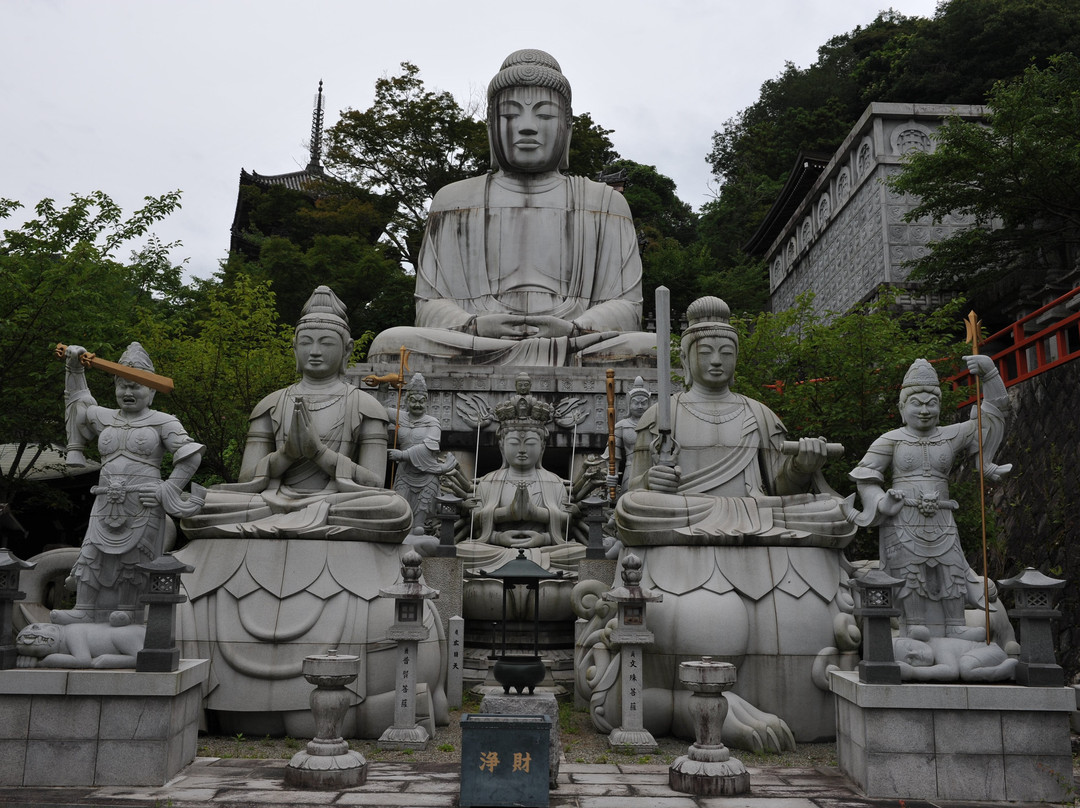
{"x":239,"y":783}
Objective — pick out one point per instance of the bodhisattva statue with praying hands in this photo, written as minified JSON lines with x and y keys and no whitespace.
{"x":289,"y":561}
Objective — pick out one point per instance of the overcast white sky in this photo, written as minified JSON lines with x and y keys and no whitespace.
{"x":140,"y":97}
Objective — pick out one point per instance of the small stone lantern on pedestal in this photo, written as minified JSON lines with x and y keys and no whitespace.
{"x":708,"y":768}
{"x":594,"y":522}
{"x":159,"y":653}
{"x":408,"y":629}
{"x":10,"y":568}
{"x":632,"y":635}
{"x":1034,"y":593}
{"x":875,"y":592}
{"x":447,"y":508}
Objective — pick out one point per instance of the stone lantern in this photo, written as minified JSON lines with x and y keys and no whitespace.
{"x":632,"y":635}
{"x":159,"y":653}
{"x":1034,"y":595}
{"x":10,"y":568}
{"x":447,"y":507}
{"x":520,"y":671}
{"x":875,"y":597}
{"x":594,"y":521}
{"x":408,"y":629}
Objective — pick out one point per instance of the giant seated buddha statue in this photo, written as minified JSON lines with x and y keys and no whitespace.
{"x":289,"y":561}
{"x":742,"y":535}
{"x":526,"y":265}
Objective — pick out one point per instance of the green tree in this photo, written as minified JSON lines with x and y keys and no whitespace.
{"x":970,"y":45}
{"x":329,"y":233}
{"x":955,"y":57}
{"x":223,"y":360}
{"x":839,"y":376}
{"x":667,"y":231}
{"x":1019,"y":178}
{"x":60,"y":281}
{"x":591,"y":150}
{"x":406,"y":146}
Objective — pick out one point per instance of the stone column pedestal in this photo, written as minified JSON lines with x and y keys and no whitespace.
{"x":328,"y":762}
{"x":708,"y":767}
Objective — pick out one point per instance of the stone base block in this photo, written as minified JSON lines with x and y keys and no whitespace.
{"x":397,"y":738}
{"x":712,"y":779}
{"x":326,"y":771}
{"x":973,"y":743}
{"x":639,"y":741}
{"x":98,"y":727}
{"x":539,"y":704}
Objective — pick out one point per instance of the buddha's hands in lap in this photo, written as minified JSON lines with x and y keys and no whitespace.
{"x":583,"y":341}
{"x":520,"y":538}
{"x":664,"y":479}
{"x":517,"y":326}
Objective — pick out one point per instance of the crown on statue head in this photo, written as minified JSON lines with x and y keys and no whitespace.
{"x":921,"y":374}
{"x":523,"y":412}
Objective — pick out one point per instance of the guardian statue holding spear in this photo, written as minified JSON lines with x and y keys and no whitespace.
{"x":919,"y":540}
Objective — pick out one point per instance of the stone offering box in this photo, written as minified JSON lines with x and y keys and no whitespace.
{"x":504,"y":760}
{"x":98,"y":727}
{"x":984,"y":742}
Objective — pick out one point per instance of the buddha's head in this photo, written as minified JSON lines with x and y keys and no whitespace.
{"x":522,"y":384}
{"x":322,"y":343}
{"x":710,"y":344}
{"x":522,"y":447}
{"x":529,"y":114}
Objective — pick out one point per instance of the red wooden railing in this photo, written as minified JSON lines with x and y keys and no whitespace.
{"x":1028,"y":354}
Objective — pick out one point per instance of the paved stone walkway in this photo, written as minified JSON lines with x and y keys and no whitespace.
{"x":236,"y":783}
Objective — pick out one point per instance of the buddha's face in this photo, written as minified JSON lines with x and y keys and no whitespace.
{"x":320,"y":352}
{"x":921,"y":411}
{"x":712,"y":362}
{"x":133,"y":398}
{"x":531,"y":128}
{"x":523,"y":384}
{"x":522,"y":449}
